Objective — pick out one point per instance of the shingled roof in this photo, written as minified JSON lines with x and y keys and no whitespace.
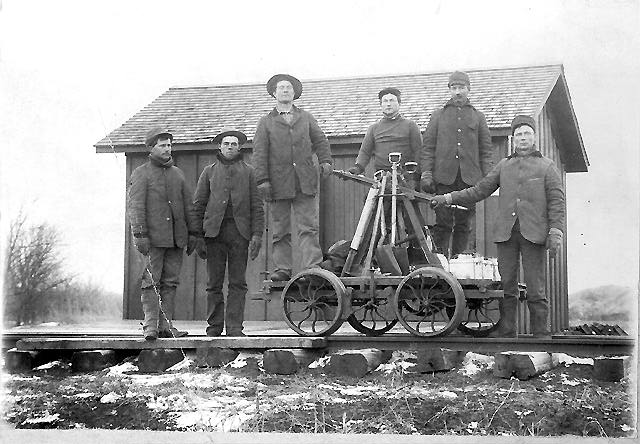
{"x":345,"y":107}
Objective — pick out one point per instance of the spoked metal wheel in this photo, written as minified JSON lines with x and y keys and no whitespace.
{"x":312,"y":302}
{"x":482,"y":317}
{"x":372,"y":315}
{"x":429,"y":302}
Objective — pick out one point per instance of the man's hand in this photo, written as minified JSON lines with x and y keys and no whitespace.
{"x":264,"y":189}
{"x":427,"y":183}
{"x":356,"y":169}
{"x":254,"y":246}
{"x":325,"y":170}
{"x":191,"y":244}
{"x":142,"y":244}
{"x":201,"y":247}
{"x":438,"y":201}
{"x":554,"y":240}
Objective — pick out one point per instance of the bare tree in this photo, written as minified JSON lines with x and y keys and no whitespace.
{"x":34,"y":269}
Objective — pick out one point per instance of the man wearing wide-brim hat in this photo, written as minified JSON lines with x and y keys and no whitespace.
{"x":530,"y":220}
{"x":229,"y":213}
{"x":285,"y":142}
{"x":162,"y":223}
{"x":457,"y":152}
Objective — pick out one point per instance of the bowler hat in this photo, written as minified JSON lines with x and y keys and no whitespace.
{"x":522,"y":119}
{"x":390,"y":90}
{"x":154,"y":133}
{"x":273,"y":82}
{"x":242,"y":138}
{"x":458,"y":78}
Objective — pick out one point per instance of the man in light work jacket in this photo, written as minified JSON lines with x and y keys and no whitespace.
{"x":159,"y":209}
{"x":392,"y":133}
{"x":283,"y":147}
{"x":229,"y":212}
{"x":530,"y":219}
{"x":457,"y":153}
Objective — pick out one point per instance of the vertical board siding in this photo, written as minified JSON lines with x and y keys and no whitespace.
{"x":340,"y":203}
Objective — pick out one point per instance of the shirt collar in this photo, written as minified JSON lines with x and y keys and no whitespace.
{"x":466,"y":103}
{"x":396,"y":116}
{"x":535,"y":153}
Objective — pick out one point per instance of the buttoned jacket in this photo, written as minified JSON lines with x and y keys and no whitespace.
{"x":159,"y":205}
{"x":283,"y":153}
{"x":531,"y":191}
{"x":457,"y":137}
{"x":223,"y":182}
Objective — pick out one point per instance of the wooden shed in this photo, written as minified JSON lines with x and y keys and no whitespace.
{"x":344,"y":108}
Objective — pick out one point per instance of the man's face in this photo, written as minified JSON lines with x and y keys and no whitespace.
{"x":524,"y":138}
{"x":284,"y":91}
{"x":459,"y":92}
{"x":229,"y":147}
{"x":162,"y":148}
{"x":389,"y":104}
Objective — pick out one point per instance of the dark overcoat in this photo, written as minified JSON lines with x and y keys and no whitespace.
{"x":283,"y":152}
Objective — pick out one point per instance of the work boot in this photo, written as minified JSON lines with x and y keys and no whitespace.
{"x":150,"y":308}
{"x":539,"y":316}
{"x":508,"y":323}
{"x":280,"y":275}
{"x":165,"y":327}
{"x":235,"y":332}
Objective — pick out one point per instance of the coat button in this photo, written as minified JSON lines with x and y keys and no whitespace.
{"x":294,"y":164}
{"x":457,"y":156}
{"x":169,"y":202}
{"x":458,"y":143}
{"x":513,"y":214}
{"x":168,"y":218}
{"x":459,"y":130}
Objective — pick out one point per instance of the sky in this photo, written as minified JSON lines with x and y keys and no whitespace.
{"x":72,"y":71}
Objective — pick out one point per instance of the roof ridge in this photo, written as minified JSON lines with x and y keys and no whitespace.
{"x":559,"y":65}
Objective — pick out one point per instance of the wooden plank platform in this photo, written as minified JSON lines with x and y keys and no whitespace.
{"x":189,"y":342}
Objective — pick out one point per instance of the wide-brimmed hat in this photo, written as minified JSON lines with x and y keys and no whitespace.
{"x":390,"y":90}
{"x":273,"y":82}
{"x":154,"y":133}
{"x":520,"y":120}
{"x":242,"y":138}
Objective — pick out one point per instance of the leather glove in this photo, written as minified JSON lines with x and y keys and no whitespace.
{"x":142,"y":244}
{"x":191,"y":244}
{"x":254,"y":246}
{"x":427,"y":183}
{"x":264,"y":189}
{"x":438,"y":201}
{"x":554,"y":240}
{"x":356,"y":169}
{"x":325,"y":170}
{"x":201,"y":248}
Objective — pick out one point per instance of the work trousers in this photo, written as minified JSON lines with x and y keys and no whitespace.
{"x":227,"y":250}
{"x":453,"y":220}
{"x":533,"y":264}
{"x":306,"y":217}
{"x":163,"y":268}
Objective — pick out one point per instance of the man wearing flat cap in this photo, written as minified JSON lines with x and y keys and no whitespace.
{"x":457,"y":152}
{"x":283,"y":147}
{"x":530,"y":220}
{"x":162,"y":223}
{"x":392,"y":133}
{"x":229,"y":213}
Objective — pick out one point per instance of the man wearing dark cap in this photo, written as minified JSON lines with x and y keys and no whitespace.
{"x":392,"y":133}
{"x":162,"y":222}
{"x":283,"y":147}
{"x":530,"y":220}
{"x":229,"y":212}
{"x":457,"y":153}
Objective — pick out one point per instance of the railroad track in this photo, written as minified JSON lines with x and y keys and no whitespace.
{"x":579,"y":345}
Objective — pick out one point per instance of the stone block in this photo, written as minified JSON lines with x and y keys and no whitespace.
{"x":92,"y":360}
{"x":158,"y":359}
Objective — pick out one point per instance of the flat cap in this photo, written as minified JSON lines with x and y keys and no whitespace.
{"x":242,"y":138}
{"x":273,"y":82}
{"x":154,"y":133}
{"x":390,"y":90}
{"x":459,"y":78}
{"x":522,"y":119}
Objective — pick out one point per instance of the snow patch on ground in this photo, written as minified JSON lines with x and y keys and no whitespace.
{"x":50,"y":365}
{"x":185,"y":364}
{"x":474,"y":363}
{"x":565,"y":359}
{"x":45,"y":418}
{"x":400,"y":361}
{"x":110,"y":398}
{"x":320,"y":362}
{"x":117,"y":370}
{"x":241,"y":360}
